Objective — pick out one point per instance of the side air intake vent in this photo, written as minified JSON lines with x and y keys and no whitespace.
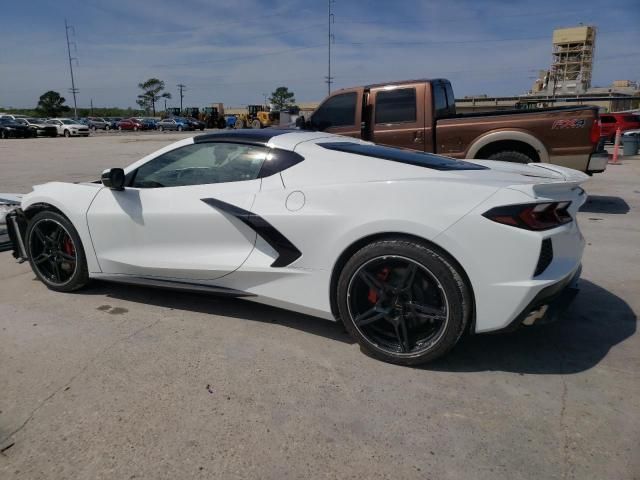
{"x":546,"y":257}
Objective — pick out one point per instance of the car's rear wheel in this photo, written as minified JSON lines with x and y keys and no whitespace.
{"x":403,"y":301}
{"x":55,"y":252}
{"x":107,"y":128}
{"x":161,"y":128}
{"x":179,"y":128}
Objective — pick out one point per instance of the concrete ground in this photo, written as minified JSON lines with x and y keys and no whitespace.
{"x":118,"y":382}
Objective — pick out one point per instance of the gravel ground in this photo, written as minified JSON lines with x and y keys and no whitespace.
{"x":120,"y":382}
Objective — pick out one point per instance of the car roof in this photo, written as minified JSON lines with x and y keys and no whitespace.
{"x":262,"y":136}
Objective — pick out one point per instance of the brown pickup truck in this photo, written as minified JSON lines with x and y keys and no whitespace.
{"x":421,"y":115}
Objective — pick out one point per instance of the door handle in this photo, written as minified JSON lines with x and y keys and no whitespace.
{"x":417,"y":136}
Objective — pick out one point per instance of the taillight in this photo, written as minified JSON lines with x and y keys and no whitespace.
{"x":532,"y":216}
{"x":596,"y":131}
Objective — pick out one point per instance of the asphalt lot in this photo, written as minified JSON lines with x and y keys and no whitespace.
{"x":120,"y":382}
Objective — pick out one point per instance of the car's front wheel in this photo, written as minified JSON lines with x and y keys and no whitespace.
{"x":403,"y":301}
{"x":67,"y":133}
{"x":55,"y":252}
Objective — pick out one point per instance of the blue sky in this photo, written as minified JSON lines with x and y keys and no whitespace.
{"x":234,"y":51}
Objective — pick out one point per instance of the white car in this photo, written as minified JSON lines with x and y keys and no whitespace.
{"x":409,"y":250}
{"x":69,"y":127}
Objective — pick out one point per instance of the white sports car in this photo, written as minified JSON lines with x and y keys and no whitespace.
{"x":409,"y":250}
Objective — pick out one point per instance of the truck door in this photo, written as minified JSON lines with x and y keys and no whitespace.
{"x":341,"y":114}
{"x":397,"y":115}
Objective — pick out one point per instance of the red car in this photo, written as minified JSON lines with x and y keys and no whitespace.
{"x":612,"y":121}
{"x":130,"y":124}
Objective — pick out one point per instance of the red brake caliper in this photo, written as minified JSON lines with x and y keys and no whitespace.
{"x":67,"y":245}
{"x":382,"y":275}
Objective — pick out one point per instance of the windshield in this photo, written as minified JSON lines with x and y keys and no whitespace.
{"x":401,"y":155}
{"x":22,"y":121}
{"x":68,"y":122}
{"x":32,"y":120}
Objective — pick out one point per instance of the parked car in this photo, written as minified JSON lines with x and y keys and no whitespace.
{"x":196,"y":124}
{"x":174,"y":123}
{"x":39,"y":127}
{"x":12,"y":129}
{"x":237,"y":214}
{"x":69,"y":127}
{"x":147,"y":122}
{"x":113,"y":122}
{"x":130,"y":124}
{"x":421,"y":115}
{"x":612,"y":121}
{"x":98,"y":123}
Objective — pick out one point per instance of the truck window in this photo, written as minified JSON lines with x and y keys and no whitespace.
{"x":607,"y":119}
{"x":396,"y":106}
{"x":337,"y":111}
{"x":443,"y":102}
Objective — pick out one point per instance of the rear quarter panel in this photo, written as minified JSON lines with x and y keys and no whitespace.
{"x":559,"y":132}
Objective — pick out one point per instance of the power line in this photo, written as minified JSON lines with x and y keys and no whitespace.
{"x":73,"y":90}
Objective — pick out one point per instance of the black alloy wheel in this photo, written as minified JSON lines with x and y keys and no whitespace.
{"x":55,"y":252}
{"x":403,"y":301}
{"x":398,"y":304}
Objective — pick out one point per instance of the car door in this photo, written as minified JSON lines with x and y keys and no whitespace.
{"x":397,"y":116}
{"x":340,"y":114}
{"x":168,"y":223}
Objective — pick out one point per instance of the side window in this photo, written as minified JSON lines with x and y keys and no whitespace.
{"x":607,"y":119}
{"x":202,"y":163}
{"x":396,"y":106}
{"x":439,"y":100}
{"x":337,"y":111}
{"x":444,"y":104}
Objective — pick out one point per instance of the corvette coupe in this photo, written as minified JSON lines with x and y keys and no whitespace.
{"x":409,"y":250}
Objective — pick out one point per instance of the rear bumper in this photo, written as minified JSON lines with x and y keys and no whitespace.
{"x":549,"y":304}
{"x":598,"y":162}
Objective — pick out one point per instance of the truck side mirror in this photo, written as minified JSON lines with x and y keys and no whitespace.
{"x":113,"y":178}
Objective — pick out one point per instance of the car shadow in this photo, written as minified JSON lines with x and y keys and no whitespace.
{"x":219,"y":305}
{"x":596,"y":322}
{"x":605,"y":204}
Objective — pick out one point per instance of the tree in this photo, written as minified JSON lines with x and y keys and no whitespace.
{"x":282,"y":98}
{"x":51,"y":104}
{"x":152,"y":89}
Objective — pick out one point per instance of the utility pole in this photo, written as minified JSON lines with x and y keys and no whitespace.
{"x":74,"y":90}
{"x":329,"y":78}
{"x":92,"y":107}
{"x":182,"y":88}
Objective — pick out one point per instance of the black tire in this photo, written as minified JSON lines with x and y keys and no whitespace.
{"x":67,"y":133}
{"x":256,"y":124}
{"x":5,"y":135}
{"x":79,"y":276}
{"x":435,"y":318}
{"x":107,"y":128}
{"x":161,"y":128}
{"x":179,"y":128}
{"x":511,"y":156}
{"x":119,"y":128}
{"x":239,"y":124}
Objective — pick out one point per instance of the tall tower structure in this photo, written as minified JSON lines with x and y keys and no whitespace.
{"x":573,"y":50}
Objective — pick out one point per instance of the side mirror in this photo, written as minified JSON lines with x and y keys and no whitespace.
{"x":113,"y":178}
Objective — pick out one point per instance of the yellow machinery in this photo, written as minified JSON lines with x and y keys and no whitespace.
{"x":256,"y":116}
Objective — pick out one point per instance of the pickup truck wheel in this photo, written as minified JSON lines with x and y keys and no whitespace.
{"x":510,"y":156}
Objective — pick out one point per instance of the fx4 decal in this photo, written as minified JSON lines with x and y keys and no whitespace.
{"x":570,"y":123}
